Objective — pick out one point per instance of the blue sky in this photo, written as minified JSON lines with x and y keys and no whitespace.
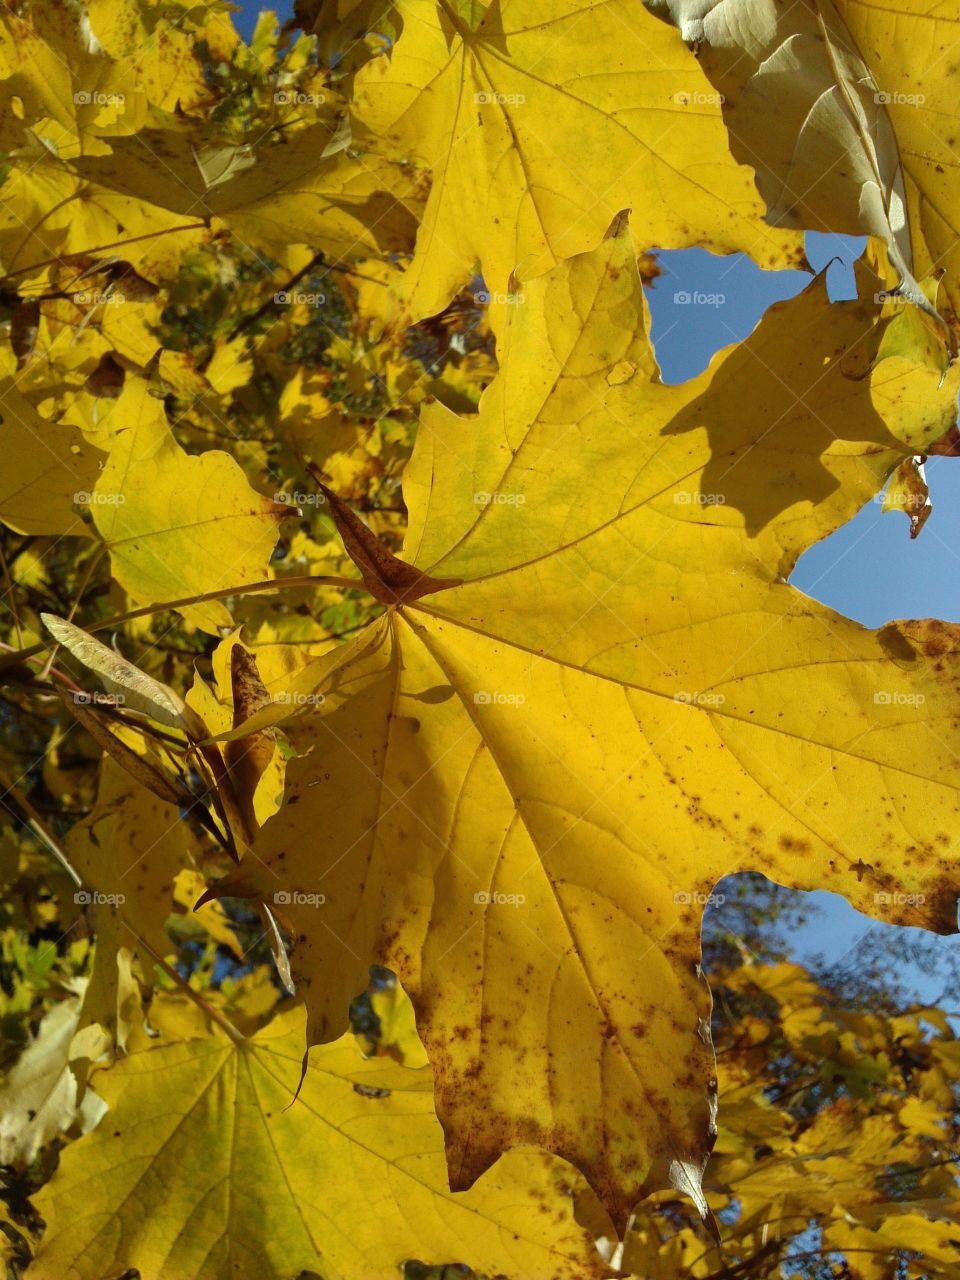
{"x":246,"y":19}
{"x":869,"y":569}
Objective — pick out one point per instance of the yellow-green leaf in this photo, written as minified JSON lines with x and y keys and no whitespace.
{"x":178,"y":525}
{"x":347,"y":1181}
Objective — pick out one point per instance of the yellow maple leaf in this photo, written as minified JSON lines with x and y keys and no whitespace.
{"x":49,"y":469}
{"x":524,"y":780}
{"x":538,"y":123}
{"x":178,"y":525}
{"x":211,"y":1122}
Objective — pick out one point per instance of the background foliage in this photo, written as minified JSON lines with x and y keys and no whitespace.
{"x":234,"y":276}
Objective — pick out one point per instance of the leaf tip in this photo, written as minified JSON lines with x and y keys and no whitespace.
{"x":619,"y":226}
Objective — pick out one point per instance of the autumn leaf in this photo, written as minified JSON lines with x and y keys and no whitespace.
{"x":868,"y":1161}
{"x":349,"y":32}
{"x":520,"y":791}
{"x":208,"y":1124}
{"x":175,"y":524}
{"x":39,"y":1098}
{"x":117,"y":143}
{"x":908,"y":47}
{"x":49,"y":472}
{"x":862,"y":99}
{"x":495,"y":721}
{"x":534,"y":139}
{"x":343,"y":205}
{"x":130,"y":851}
{"x":125,"y":683}
{"x":908,"y":493}
{"x":48,"y":215}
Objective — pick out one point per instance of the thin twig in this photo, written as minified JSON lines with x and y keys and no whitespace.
{"x":35,"y":823}
{"x":215,"y":1015}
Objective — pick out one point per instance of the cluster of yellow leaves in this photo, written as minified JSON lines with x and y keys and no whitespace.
{"x":832,"y":1117}
{"x":584,"y":694}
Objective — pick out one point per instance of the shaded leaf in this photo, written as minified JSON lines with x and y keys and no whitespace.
{"x":210,"y":1122}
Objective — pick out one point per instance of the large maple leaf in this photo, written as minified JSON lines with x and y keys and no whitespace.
{"x":538,"y":121}
{"x":518,"y":787}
